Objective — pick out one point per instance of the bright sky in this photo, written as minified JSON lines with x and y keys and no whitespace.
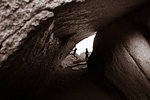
{"x":86,"y":43}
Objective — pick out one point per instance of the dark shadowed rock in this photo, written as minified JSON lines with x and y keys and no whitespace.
{"x":36,"y":35}
{"x":122,"y":55}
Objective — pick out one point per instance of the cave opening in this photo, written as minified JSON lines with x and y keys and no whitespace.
{"x":73,"y":81}
{"x":78,"y":56}
{"x":36,"y":36}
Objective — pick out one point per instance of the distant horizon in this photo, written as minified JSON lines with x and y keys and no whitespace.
{"x":86,"y":43}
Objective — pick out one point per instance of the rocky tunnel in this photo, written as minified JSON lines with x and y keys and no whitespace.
{"x":36,"y":35}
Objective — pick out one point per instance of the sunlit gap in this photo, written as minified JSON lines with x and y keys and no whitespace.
{"x":78,"y":57}
{"x":86,"y":43}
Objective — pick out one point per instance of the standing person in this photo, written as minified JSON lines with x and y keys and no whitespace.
{"x":74,"y":52}
{"x":86,"y":54}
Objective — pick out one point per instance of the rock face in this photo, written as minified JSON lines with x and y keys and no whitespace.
{"x":122,"y":55}
{"x":35,"y":35}
{"x":71,"y":61}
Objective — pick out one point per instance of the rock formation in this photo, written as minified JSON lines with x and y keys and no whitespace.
{"x":35,"y":35}
{"x":121,"y":54}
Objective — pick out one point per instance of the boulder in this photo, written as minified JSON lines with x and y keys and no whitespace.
{"x":121,"y":55}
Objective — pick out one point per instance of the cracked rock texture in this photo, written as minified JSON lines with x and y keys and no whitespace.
{"x":35,"y":35}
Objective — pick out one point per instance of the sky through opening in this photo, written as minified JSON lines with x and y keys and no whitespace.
{"x":86,"y":43}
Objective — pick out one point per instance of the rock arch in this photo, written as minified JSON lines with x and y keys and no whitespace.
{"x":36,"y":35}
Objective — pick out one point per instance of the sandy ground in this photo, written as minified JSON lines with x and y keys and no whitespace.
{"x":76,"y":85}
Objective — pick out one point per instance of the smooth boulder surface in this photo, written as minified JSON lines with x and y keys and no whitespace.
{"x":121,"y":55}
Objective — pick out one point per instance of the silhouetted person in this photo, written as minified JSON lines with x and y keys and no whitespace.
{"x":86,"y":54}
{"x":74,"y":52}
